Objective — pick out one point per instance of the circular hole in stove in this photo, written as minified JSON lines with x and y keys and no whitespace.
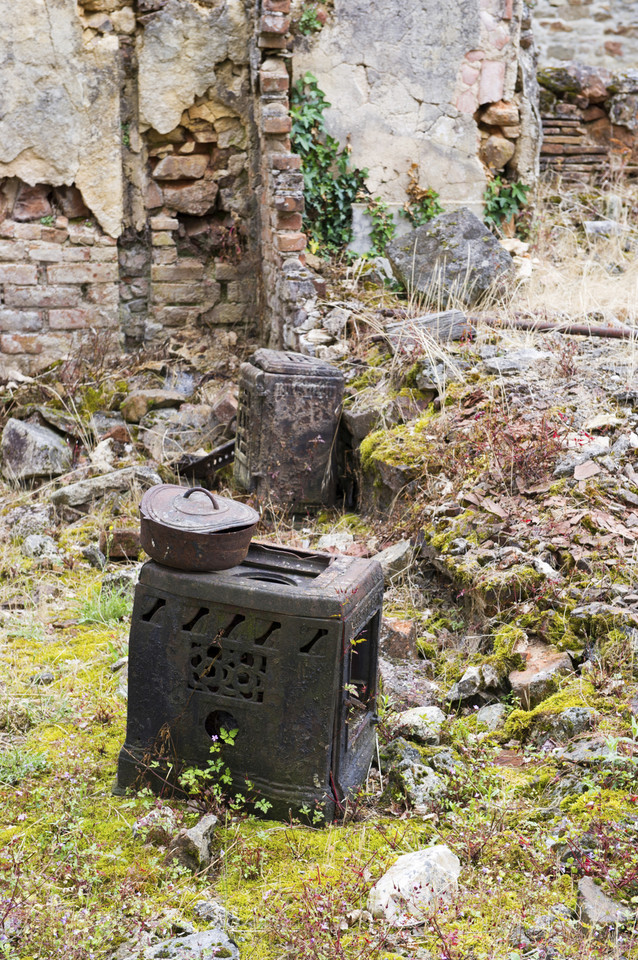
{"x":269,"y":578}
{"x":219,"y":720}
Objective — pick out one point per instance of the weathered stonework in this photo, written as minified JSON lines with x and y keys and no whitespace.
{"x":147,"y":181}
{"x":407,"y":84}
{"x":590,"y":121}
{"x":597,"y":32}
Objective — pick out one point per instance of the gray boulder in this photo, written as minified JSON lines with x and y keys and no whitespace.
{"x":454,"y":255}
{"x":415,"y":885}
{"x":208,"y":945}
{"x":595,"y":907}
{"x":191,"y":848}
{"x":30,"y":451}
{"x":84,"y":492}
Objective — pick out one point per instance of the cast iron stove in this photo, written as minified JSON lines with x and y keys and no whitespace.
{"x":283,"y":648}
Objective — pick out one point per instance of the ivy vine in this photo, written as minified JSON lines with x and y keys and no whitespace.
{"x":331,"y":184}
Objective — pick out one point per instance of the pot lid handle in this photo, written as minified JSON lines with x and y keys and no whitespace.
{"x":202,"y":490}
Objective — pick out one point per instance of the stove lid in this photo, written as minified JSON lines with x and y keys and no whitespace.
{"x":292,"y":364}
{"x":194,"y":509}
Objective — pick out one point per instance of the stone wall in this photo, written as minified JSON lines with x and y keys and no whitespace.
{"x":411,"y":82}
{"x":590,"y":121}
{"x":597,"y":32}
{"x":148,"y":184}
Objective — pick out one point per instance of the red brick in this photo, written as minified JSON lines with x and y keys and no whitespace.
{"x":291,"y":242}
{"x":175,"y":316}
{"x":74,"y":319}
{"x":177,"y":293}
{"x":270,"y":83}
{"x":178,"y":271}
{"x":20,"y":343}
{"x":270,"y":41}
{"x":277,"y":125}
{"x":105,"y":294}
{"x":83,"y":273}
{"x":289,"y":221}
{"x":104,"y":254}
{"x":32,"y":202}
{"x":283,"y":161}
{"x":27,"y":231}
{"x":277,"y":23}
{"x":20,"y":321}
{"x":289,"y":204}
{"x":48,"y":252}
{"x":76,"y":254}
{"x":12,"y":250}
{"x":276,"y":6}
{"x":54,"y":235}
{"x":49,"y":296}
{"x":19,"y":273}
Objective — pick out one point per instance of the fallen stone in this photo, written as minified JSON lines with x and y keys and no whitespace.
{"x":176,"y":167}
{"x":515,"y":361}
{"x":70,"y":203}
{"x":492,"y":715}
{"x":415,"y":885}
{"x":584,"y":752}
{"x":214,"y":912}
{"x":30,"y":451}
{"x":420,"y":785}
{"x":395,"y":560}
{"x":38,"y":546}
{"x":398,"y":639}
{"x":444,"y":326}
{"x":158,"y":826}
{"x":32,"y":203}
{"x":138,"y":403}
{"x":422,"y":724}
{"x":208,"y":945}
{"x":454,"y":254}
{"x":168,"y":434}
{"x":191,"y":848}
{"x":408,"y":683}
{"x":569,"y":723}
{"x":497,"y":151}
{"x":595,"y":907}
{"x":335,"y":541}
{"x":601,"y":228}
{"x":196,"y":198}
{"x":480,"y":683}
{"x":84,"y":492}
{"x":120,"y":543}
{"x":539,"y":679}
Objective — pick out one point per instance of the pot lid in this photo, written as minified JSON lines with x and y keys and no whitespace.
{"x":292,"y":364}
{"x":194,"y":509}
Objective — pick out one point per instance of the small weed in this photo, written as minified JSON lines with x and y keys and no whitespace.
{"x":309,"y":21}
{"x":503,"y":202}
{"x":47,"y":221}
{"x":422,"y":204}
{"x":105,"y":606}
{"x":383,"y":226}
{"x":16,"y":764}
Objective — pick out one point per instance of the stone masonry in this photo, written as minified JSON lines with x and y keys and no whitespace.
{"x":602,"y":33}
{"x":147,"y":182}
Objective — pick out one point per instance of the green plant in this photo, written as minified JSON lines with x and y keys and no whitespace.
{"x":105,"y":606}
{"x":126,"y":134}
{"x":383,"y":226}
{"x":47,"y":221}
{"x":503,"y":201}
{"x":309,"y":21}
{"x":210,"y":785}
{"x":422,"y":203}
{"x":330,"y":185}
{"x":16,"y":764}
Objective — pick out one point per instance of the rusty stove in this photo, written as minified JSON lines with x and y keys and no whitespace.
{"x":283,"y":647}
{"x":287,"y":419}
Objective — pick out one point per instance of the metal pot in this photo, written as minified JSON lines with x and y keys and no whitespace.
{"x":194,"y":530}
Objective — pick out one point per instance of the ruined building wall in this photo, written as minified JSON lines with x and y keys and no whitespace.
{"x":412,"y":83}
{"x":147,"y":182}
{"x":595,"y":32}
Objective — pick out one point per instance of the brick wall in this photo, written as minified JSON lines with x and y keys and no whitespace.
{"x":57,"y":281}
{"x":590,"y":121}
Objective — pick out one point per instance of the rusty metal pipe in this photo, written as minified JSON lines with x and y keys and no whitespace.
{"x":575,"y":329}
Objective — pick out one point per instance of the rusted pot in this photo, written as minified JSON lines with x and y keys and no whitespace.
{"x":190,"y":529}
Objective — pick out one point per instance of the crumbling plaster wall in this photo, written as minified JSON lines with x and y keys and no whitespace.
{"x":60,"y":122}
{"x":596,"y":32}
{"x":406,"y":83}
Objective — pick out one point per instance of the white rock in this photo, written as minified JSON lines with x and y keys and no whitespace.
{"x":420,"y":723}
{"x":492,"y":715}
{"x":335,"y":540}
{"x":413,"y":887}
